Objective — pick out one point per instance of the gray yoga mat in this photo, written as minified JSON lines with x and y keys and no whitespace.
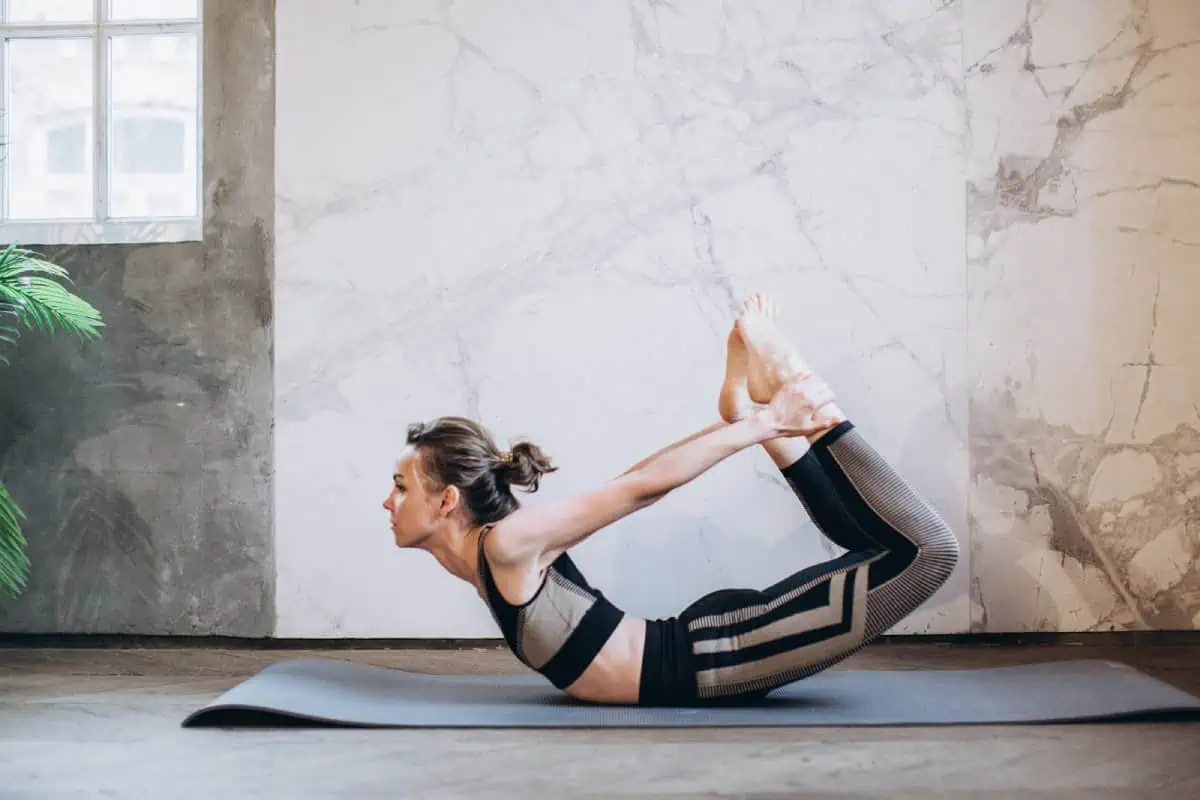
{"x":344,"y":693}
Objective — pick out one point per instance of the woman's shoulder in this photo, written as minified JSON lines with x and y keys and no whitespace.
{"x":507,"y":547}
{"x":498,"y":544}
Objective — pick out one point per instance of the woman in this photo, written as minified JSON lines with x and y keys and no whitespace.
{"x":453,"y":497}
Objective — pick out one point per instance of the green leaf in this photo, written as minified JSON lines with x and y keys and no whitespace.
{"x":32,"y":290}
{"x":14,"y":563}
{"x":34,"y":293}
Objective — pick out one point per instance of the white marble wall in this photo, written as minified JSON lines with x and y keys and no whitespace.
{"x":541,"y":215}
{"x":1084,"y":265}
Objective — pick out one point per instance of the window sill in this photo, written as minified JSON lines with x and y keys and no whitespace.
{"x":133,"y":231}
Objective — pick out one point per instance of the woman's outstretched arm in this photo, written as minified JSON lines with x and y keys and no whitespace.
{"x":547,"y":530}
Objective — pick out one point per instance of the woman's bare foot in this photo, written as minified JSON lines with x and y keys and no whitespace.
{"x":734,"y":402}
{"x":772,"y":358}
{"x":773,"y":361}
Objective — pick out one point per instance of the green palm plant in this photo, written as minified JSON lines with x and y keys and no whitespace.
{"x":33,"y":296}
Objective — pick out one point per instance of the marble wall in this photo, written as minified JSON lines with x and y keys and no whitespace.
{"x":143,"y":460}
{"x":542,"y":215}
{"x":1083,"y":261}
{"x":980,"y":216}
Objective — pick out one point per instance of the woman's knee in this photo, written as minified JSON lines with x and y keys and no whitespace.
{"x":941,"y":554}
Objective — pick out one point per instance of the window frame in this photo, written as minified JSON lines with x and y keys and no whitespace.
{"x":101,"y":228}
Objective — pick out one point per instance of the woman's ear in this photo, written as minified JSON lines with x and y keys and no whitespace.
{"x":451,"y":497}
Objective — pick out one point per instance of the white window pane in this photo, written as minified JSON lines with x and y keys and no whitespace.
{"x":125,"y":10}
{"x":50,"y":144}
{"x":154,"y":161}
{"x":50,"y":10}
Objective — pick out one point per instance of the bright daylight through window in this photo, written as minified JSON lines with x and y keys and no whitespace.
{"x":100,"y":129}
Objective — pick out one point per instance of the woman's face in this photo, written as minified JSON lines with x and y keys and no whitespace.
{"x":413,"y":511}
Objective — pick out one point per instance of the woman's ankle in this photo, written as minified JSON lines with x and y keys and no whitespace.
{"x":786,"y":451}
{"x":835,"y":416}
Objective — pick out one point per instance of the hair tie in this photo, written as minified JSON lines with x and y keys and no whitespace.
{"x":506,"y":457}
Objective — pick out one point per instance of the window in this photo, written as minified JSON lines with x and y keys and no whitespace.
{"x":100,"y":121}
{"x":66,"y":149}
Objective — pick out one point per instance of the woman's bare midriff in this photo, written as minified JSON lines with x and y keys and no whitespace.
{"x":615,"y":674}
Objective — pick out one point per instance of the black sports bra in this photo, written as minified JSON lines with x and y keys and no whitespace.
{"x":561,"y":628}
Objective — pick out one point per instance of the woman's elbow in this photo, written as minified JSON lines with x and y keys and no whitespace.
{"x":643,"y":490}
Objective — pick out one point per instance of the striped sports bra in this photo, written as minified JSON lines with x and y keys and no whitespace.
{"x":561,"y":628}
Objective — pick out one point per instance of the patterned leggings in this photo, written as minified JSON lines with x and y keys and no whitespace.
{"x":746,"y":642}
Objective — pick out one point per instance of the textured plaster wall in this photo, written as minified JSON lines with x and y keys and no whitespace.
{"x":143,"y":461}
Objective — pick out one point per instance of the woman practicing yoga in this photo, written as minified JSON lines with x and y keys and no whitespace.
{"x":453,"y":497}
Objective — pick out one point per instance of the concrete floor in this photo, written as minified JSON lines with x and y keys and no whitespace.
{"x":105,"y":723}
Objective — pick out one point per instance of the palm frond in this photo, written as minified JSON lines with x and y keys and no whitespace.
{"x":9,"y":334}
{"x":33,"y":294}
{"x":14,"y":562}
{"x":32,"y":289}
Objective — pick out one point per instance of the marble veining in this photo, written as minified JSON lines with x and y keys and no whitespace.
{"x":544,"y":220}
{"x":1084,"y":187}
{"x":980,"y":217}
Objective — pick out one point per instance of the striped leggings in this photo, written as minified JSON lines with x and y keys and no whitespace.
{"x":745,"y":643}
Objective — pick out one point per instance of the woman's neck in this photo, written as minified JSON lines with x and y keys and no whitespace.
{"x":457,"y":550}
